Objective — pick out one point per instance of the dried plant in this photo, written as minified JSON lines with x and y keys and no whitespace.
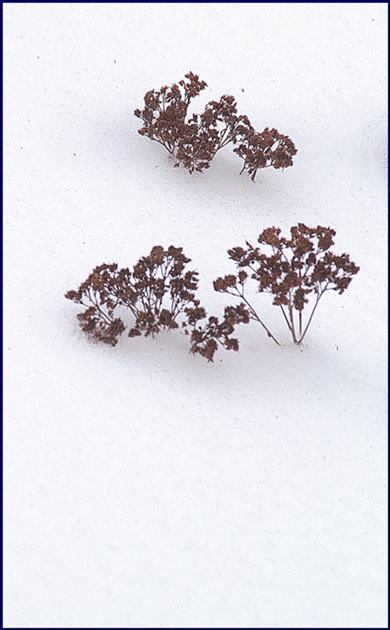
{"x":194,"y":142}
{"x":204,"y":340}
{"x":156,"y":292}
{"x":295,"y":270}
{"x":160,"y":292}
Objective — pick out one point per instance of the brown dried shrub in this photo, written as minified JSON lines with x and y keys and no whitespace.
{"x":295,"y":270}
{"x":195,"y":141}
{"x":156,"y":292}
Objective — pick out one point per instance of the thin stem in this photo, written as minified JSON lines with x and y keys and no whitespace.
{"x":225,"y":138}
{"x":255,"y":315}
{"x":291,"y":313}
{"x":286,"y":318}
{"x":312,"y":313}
{"x":166,"y":146}
{"x":104,"y":315}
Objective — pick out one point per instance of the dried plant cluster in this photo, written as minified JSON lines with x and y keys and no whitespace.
{"x":296,"y":271}
{"x":160,"y":292}
{"x":195,"y":141}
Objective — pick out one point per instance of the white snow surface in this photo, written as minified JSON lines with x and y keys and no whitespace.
{"x":145,"y":487}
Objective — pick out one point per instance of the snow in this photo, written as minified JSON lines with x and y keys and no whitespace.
{"x":145,"y":487}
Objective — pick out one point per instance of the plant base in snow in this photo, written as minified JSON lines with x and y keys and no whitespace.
{"x":194,"y":142}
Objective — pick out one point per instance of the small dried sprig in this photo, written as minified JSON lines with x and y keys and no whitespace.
{"x":101,"y":295}
{"x":194,"y":142}
{"x":156,"y":292}
{"x":261,"y":150}
{"x":295,"y":270}
{"x":205,"y":339}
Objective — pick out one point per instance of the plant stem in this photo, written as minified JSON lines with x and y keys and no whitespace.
{"x":311,"y":316}
{"x":256,"y":316}
{"x":286,"y":318}
{"x":292,"y":328}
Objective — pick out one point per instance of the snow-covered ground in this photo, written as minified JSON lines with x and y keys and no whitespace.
{"x":145,"y":487}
